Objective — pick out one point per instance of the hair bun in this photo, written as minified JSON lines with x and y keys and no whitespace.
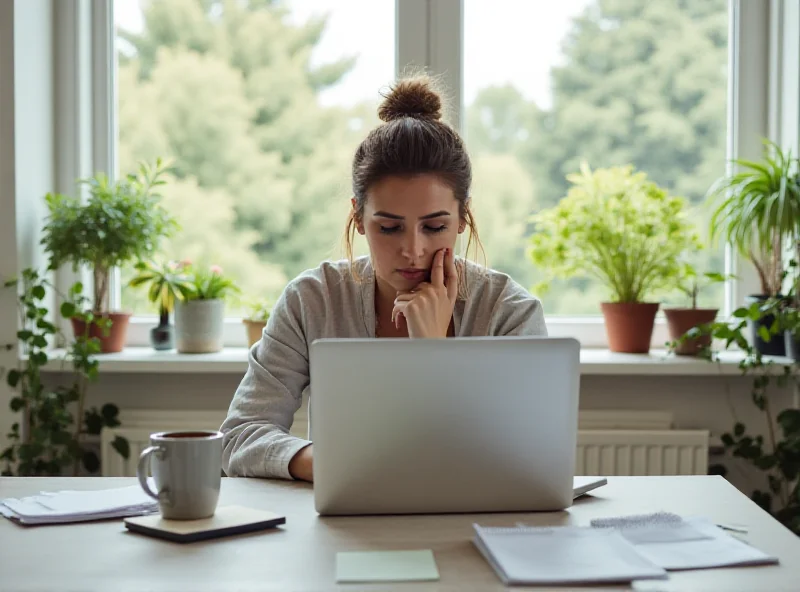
{"x":412,"y":97}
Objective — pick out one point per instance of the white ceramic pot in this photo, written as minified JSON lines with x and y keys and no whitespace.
{"x":199,"y":326}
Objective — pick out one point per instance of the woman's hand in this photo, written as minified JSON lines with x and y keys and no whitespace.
{"x":428,"y":310}
{"x":302,"y":464}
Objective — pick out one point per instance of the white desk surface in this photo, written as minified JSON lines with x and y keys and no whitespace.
{"x":301,"y":555}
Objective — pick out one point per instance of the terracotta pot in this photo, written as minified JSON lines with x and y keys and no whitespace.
{"x":115,"y":340}
{"x":254,"y":331}
{"x":680,"y":320}
{"x":629,"y":325}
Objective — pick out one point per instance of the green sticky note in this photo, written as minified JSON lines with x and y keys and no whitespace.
{"x":386,"y":566}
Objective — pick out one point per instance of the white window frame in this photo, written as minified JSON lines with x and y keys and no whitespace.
{"x":763,"y":66}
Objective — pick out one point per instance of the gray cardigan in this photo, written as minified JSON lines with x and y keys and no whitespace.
{"x":329,"y":302}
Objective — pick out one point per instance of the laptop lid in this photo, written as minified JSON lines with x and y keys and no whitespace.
{"x":448,"y":425}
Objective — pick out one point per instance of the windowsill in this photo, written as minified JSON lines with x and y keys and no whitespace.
{"x":233,"y":360}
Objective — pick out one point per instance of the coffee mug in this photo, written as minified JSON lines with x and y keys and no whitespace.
{"x":186,"y":468}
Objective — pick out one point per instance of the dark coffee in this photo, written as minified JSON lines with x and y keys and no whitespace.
{"x":189,"y":435}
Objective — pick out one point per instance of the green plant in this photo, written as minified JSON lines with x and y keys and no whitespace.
{"x":779,"y":454}
{"x":691,"y":284}
{"x":757,"y":210}
{"x":259,"y":312}
{"x":168,"y":282}
{"x":118,"y":223}
{"x":207,"y":283}
{"x":50,"y":437}
{"x":618,"y":227}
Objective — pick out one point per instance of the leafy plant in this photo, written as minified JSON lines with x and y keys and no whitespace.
{"x":207,"y":283}
{"x":50,"y":439}
{"x":259,"y":312}
{"x":757,"y":210}
{"x":779,"y":455}
{"x":691,"y":285}
{"x":119,"y":223}
{"x":168,"y":282}
{"x":617,"y":226}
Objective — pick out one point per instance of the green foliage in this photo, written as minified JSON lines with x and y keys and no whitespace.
{"x":691,"y":284}
{"x":118,"y":223}
{"x":207,"y":283}
{"x":619,"y":227}
{"x":48,"y":440}
{"x":167,"y":282}
{"x":259,"y":311}
{"x":262,"y":161}
{"x":758,"y":209}
{"x":779,"y":455}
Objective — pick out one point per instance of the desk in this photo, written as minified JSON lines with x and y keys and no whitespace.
{"x":103,"y":556}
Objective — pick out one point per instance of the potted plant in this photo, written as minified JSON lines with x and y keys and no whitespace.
{"x":168,"y":284}
{"x":789,"y":311}
{"x":118,"y":223}
{"x":53,"y":436}
{"x":200,"y":316}
{"x":757,"y":210}
{"x":681,"y":320}
{"x":256,"y":321}
{"x":777,"y":451}
{"x":622,"y":229}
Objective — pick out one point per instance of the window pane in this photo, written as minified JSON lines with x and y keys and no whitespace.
{"x":611,"y":82}
{"x":260,"y":105}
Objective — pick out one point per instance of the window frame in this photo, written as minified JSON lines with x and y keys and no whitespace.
{"x":762,"y":68}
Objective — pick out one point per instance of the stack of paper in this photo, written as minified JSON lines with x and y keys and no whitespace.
{"x":562,"y":555}
{"x":675,"y":543}
{"x":78,"y":506}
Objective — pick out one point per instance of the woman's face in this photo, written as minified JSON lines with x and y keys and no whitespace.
{"x":406,"y":221}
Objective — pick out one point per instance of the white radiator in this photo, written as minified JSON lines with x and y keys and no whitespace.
{"x":610,"y":446}
{"x":642,"y":452}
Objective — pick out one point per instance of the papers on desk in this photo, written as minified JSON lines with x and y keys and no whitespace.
{"x":78,"y":506}
{"x":562,"y":555}
{"x":612,"y":550}
{"x":679,"y":544}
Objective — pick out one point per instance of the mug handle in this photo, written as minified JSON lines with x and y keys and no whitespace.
{"x":144,"y":467}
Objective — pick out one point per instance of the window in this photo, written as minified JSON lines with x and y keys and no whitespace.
{"x":611,"y":83}
{"x":260,"y":107}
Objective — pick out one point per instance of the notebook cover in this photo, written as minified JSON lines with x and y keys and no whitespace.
{"x":226,"y":521}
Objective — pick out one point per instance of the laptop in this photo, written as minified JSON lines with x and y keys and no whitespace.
{"x":461,"y":425}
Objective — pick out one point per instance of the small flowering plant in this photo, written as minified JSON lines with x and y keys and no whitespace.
{"x":208,"y":283}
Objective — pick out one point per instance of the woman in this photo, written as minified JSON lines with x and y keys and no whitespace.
{"x":411,"y":181}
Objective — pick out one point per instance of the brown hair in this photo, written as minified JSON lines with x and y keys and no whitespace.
{"x":412,"y":141}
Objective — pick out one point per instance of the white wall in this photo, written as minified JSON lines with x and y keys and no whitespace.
{"x":8,"y":232}
{"x":26,"y":154}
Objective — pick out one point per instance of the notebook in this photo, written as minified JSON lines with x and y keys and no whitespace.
{"x":226,"y":521}
{"x":562,"y":555}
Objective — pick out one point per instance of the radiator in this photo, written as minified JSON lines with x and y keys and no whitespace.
{"x":642,"y":452}
{"x":601,"y":450}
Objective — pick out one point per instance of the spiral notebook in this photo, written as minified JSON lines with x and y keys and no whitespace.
{"x":562,"y":555}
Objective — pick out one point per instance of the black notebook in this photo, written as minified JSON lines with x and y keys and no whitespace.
{"x":226,"y":521}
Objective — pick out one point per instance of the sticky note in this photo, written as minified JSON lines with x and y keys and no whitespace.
{"x":386,"y":566}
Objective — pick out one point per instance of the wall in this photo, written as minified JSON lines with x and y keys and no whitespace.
{"x":26,"y":154}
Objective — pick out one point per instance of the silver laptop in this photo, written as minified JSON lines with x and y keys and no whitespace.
{"x":403,"y":426}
